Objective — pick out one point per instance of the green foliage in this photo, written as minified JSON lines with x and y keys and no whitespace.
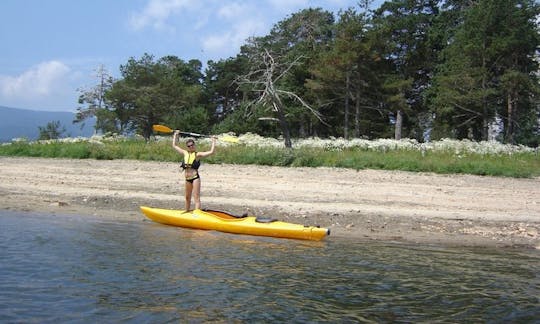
{"x":152,"y":92}
{"x":345,"y":78}
{"x":53,"y":130}
{"x":485,"y":69}
{"x":254,"y":155}
{"x":222,"y":92}
{"x":106,"y":121}
{"x":245,"y":120}
{"x":193,"y":120}
{"x":238,"y":121}
{"x":449,"y":161}
{"x":94,"y":104}
{"x":404,"y":31}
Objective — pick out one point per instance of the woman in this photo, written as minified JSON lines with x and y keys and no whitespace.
{"x":190,"y":164}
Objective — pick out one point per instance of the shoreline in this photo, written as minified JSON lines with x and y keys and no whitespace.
{"x":457,"y":210}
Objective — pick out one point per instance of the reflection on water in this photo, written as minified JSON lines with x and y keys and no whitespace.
{"x":60,"y":268}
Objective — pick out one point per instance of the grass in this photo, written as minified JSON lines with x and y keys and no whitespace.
{"x":450,"y":159}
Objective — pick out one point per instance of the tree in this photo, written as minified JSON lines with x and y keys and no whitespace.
{"x":487,"y":69}
{"x":264,"y":79}
{"x":95,"y":103}
{"x":517,"y":67}
{"x":406,"y":27}
{"x":302,"y":38}
{"x":222,"y":93}
{"x":53,"y":130}
{"x":279,"y":67}
{"x":345,"y":77}
{"x":152,"y":92}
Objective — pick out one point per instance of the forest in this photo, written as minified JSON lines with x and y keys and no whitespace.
{"x":418,"y":69}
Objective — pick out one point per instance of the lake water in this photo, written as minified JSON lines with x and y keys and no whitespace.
{"x":58,"y":268}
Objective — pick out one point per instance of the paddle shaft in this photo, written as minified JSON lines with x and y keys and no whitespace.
{"x":165,"y":129}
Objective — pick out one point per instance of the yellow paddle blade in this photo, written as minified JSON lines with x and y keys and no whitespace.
{"x":161,"y":129}
{"x":229,"y":138}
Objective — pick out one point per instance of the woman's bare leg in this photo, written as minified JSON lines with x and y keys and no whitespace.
{"x":197,"y":193}
{"x":188,"y":189}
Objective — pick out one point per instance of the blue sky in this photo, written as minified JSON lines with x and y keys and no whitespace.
{"x":51,"y":48}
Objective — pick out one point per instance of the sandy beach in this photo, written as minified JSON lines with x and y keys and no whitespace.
{"x":460,"y":210}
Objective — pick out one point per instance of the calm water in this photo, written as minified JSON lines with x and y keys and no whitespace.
{"x":59,"y":268}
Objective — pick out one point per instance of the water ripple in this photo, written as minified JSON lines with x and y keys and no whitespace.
{"x":59,"y":268}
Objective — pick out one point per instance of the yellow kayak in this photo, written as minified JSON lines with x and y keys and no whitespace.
{"x":225,"y":222}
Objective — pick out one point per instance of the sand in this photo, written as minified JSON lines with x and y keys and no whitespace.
{"x":460,"y":210}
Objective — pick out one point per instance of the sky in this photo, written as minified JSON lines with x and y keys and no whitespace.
{"x":50,"y":50}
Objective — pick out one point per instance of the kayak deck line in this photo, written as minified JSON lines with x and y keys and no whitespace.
{"x":229,"y":223}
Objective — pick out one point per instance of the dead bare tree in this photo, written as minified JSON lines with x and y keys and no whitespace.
{"x":263,"y":79}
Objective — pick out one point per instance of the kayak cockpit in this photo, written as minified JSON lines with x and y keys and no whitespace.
{"x":228,"y":216}
{"x":223,"y":215}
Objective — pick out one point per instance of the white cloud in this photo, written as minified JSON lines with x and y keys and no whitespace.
{"x":215,"y":43}
{"x":291,"y":6}
{"x":247,"y":28}
{"x":239,"y":21}
{"x":231,"y":40}
{"x":232,"y":10}
{"x":156,"y":13}
{"x":38,"y":82}
{"x":288,"y":5}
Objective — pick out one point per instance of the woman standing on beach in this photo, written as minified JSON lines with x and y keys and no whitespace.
{"x":190,"y":165}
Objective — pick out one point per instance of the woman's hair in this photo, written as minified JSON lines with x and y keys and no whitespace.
{"x":190,"y":141}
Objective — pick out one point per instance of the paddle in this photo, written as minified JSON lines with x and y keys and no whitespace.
{"x":167,"y":130}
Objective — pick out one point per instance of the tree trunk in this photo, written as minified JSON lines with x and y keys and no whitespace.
{"x":302,"y":128}
{"x":357,"y":116}
{"x":485,"y":126}
{"x":510,"y":104}
{"x":399,"y":125}
{"x":346,"y":119}
{"x":284,"y":128}
{"x":485,"y":118}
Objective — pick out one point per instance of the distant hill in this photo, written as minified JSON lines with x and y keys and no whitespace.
{"x":22,"y":123}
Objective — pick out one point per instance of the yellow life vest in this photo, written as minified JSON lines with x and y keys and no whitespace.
{"x":190,"y":161}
